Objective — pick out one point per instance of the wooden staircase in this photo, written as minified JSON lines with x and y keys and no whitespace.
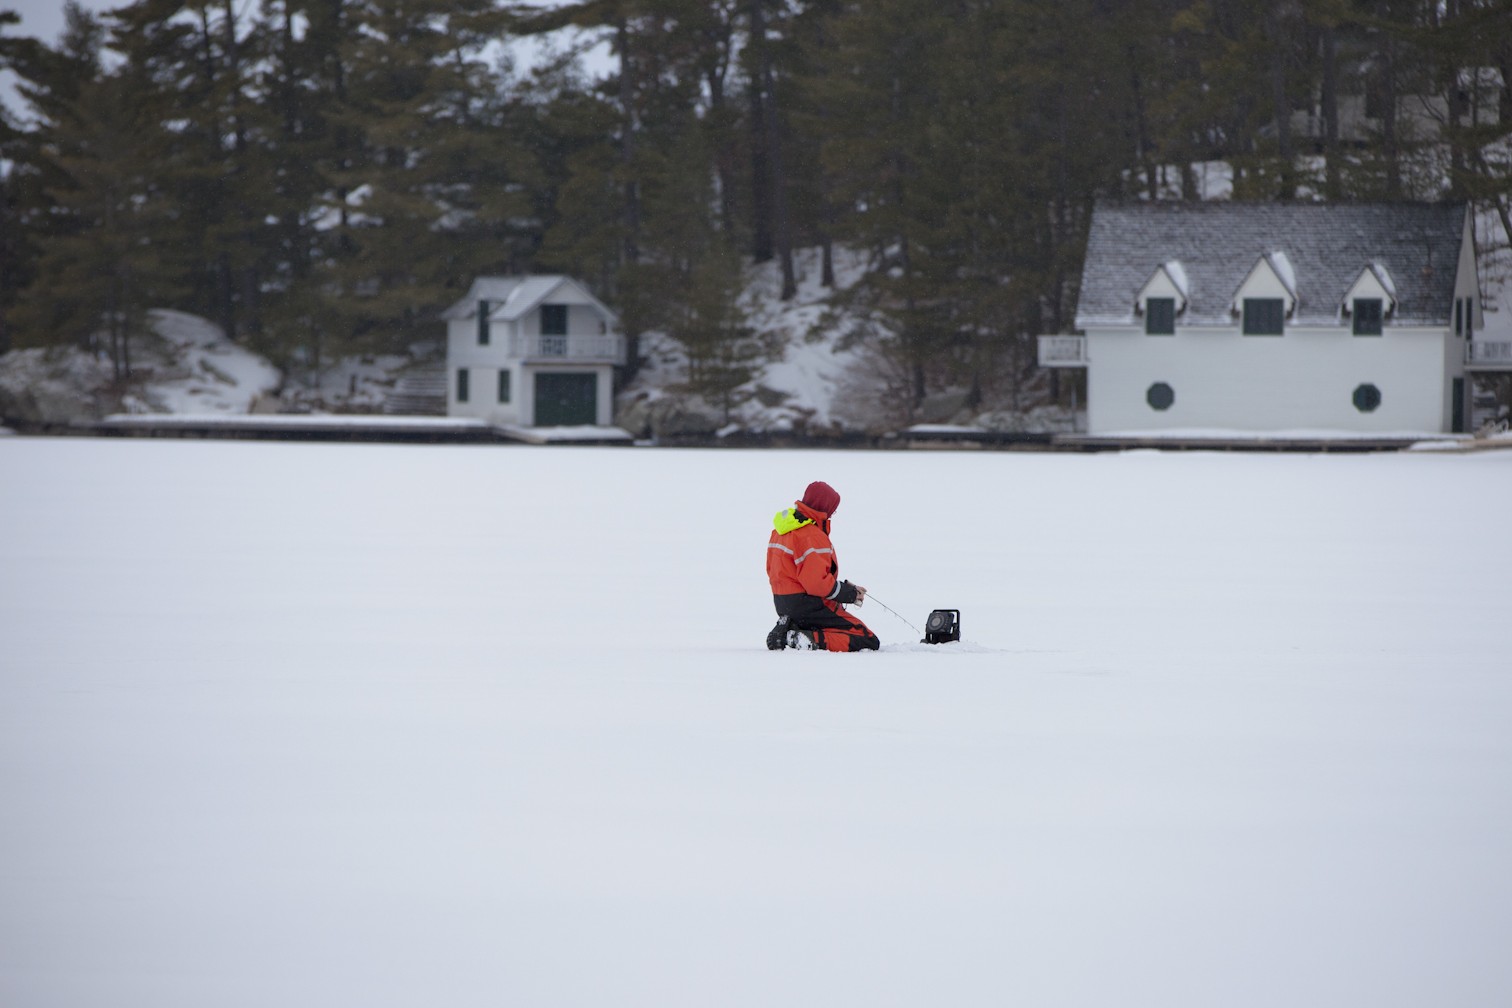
{"x":419,"y":391}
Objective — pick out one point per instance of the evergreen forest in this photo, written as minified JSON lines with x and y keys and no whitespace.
{"x":322,"y":177}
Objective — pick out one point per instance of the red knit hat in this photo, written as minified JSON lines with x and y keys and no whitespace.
{"x":821,"y":497}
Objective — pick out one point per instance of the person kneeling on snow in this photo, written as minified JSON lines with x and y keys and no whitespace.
{"x":806,"y":587}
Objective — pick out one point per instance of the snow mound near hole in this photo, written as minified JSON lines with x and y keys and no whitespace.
{"x":959,"y":647}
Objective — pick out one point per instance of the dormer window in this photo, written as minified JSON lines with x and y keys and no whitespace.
{"x":483,"y":310}
{"x":1160,"y":316}
{"x":1367,"y":315}
{"x":1267,"y":296}
{"x":1264,"y":316}
{"x":1369,"y":300}
{"x":1162,"y":298}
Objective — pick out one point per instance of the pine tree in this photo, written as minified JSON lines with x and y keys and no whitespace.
{"x":16,"y":253}
{"x":813,"y":192}
{"x":878,"y":101}
{"x":303,"y":74}
{"x":1468,"y":45}
{"x":644,"y":180}
{"x":99,"y":273}
{"x":99,"y":212}
{"x":971,"y":174}
{"x":196,"y":64}
{"x":423,"y":190}
{"x":772,"y":223}
{"x":49,"y":81}
{"x":584,"y":222}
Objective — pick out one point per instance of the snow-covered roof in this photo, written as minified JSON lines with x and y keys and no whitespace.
{"x":1279,"y":267}
{"x":1281,"y":264}
{"x":1179,"y":279}
{"x":1384,"y":276}
{"x":1373,"y":278}
{"x":1174,"y":275}
{"x":511,"y":297}
{"x":1318,"y":247}
{"x":493,"y":289}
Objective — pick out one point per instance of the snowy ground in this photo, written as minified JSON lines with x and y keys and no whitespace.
{"x":200,"y":371}
{"x":326,"y":725}
{"x":807,"y":377}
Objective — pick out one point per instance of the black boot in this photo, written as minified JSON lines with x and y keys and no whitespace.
{"x":777,"y":639}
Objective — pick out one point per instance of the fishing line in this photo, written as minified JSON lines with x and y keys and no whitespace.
{"x":890,"y":609}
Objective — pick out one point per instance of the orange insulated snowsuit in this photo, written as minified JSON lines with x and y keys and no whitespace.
{"x":806,"y":585}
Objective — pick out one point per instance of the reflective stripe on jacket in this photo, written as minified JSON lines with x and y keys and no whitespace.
{"x":800,"y":558}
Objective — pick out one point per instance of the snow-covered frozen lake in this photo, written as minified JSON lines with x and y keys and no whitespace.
{"x":367,"y":725}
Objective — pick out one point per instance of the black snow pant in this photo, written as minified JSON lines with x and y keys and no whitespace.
{"x":832,"y":627}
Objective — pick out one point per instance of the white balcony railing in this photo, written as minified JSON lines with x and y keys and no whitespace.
{"x":598,"y":349}
{"x":1063,"y":351}
{"x":1489,"y":355}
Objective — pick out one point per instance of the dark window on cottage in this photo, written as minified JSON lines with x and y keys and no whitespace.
{"x":554,"y":320}
{"x":1263,"y":316}
{"x":1366,"y":398}
{"x":1160,"y":396}
{"x":1160,"y":316}
{"x":1367,"y":317}
{"x":504,"y":385}
{"x":1459,"y":317}
{"x":1379,"y":99}
{"x":462,"y":385}
{"x":483,"y":309}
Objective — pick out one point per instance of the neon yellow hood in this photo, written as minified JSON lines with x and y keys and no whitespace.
{"x":789,"y":520}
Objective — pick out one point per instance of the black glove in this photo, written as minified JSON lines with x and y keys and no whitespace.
{"x":845,"y":593}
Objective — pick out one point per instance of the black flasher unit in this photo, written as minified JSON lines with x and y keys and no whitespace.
{"x":942,"y":626}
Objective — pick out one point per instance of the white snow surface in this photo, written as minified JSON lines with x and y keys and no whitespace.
{"x":379,"y":725}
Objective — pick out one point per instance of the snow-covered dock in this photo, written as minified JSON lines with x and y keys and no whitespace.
{"x":1308,"y":443}
{"x":348,"y":427}
{"x":943,"y":436}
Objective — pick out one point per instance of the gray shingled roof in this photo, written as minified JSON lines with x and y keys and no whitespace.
{"x":510,"y":297}
{"x":1218,"y":243}
{"x":493,"y":289}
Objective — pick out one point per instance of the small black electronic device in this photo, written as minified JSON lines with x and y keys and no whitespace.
{"x":942,"y":626}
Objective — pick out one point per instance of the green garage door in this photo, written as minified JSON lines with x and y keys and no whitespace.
{"x":566,"y":400}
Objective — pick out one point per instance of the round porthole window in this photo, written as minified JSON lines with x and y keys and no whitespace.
{"x":1366,"y":398}
{"x":1160,"y":396}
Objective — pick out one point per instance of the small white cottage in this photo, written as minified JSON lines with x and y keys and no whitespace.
{"x":532,"y":351}
{"x":1275,"y":317}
